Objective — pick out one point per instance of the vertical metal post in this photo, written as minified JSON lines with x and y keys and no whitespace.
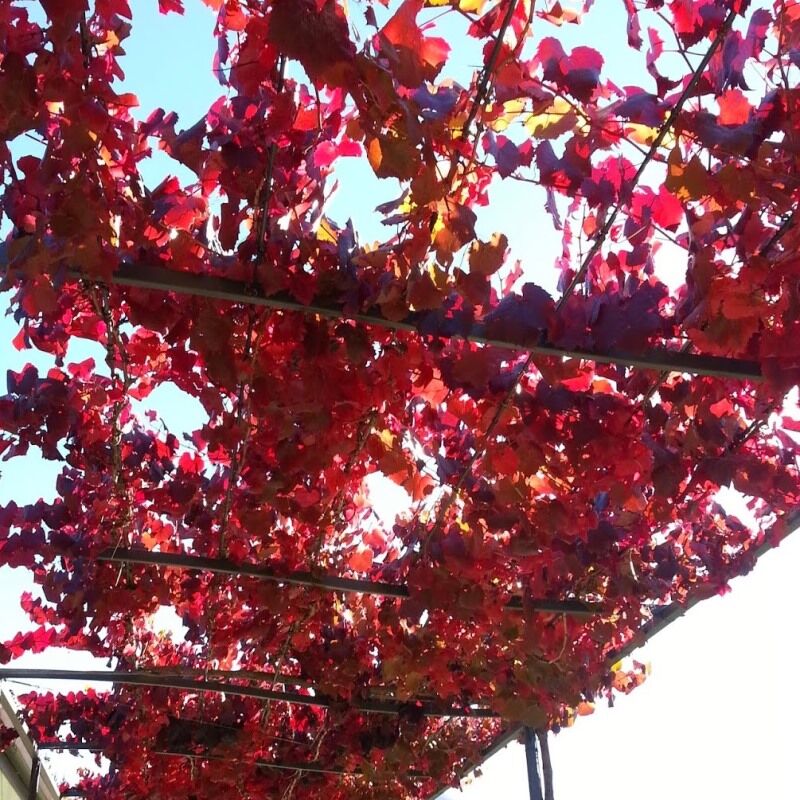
{"x":532,"y":760}
{"x":33,"y":784}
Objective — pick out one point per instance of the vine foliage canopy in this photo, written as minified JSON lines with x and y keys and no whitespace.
{"x":562,"y":427}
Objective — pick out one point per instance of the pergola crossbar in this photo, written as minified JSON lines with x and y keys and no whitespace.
{"x":156,"y":278}
{"x":310,"y":766}
{"x":181,"y":683}
{"x":326,"y":582}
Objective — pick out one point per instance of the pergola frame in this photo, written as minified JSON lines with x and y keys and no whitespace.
{"x":181,"y":561}
{"x":157,"y":278}
{"x":310,"y":766}
{"x":169,"y":680}
{"x":662,"y":618}
{"x":162,"y":279}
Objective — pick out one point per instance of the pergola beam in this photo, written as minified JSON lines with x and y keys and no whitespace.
{"x":156,"y":278}
{"x":311,"y":766}
{"x":181,"y":683}
{"x":69,"y":747}
{"x":251,"y":675}
{"x":326,"y":582}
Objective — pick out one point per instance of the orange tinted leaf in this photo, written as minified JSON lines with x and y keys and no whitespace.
{"x":487,"y":257}
{"x":418,"y":485}
{"x":734,"y":108}
{"x":423,"y":291}
{"x":686,"y":181}
{"x":391,"y":157}
{"x":416,"y":58}
{"x":361,"y":559}
{"x":435,"y":391}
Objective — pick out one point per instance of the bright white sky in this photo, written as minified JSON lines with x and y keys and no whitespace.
{"x":717,"y":716}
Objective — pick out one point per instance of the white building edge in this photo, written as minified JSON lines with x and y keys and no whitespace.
{"x":16,"y":762}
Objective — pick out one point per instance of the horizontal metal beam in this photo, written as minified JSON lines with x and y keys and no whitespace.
{"x":311,"y":766}
{"x":326,"y":582}
{"x":254,"y":676}
{"x":69,"y":747}
{"x":167,"y":681}
{"x":298,"y":766}
{"x":225,"y":567}
{"x":156,"y":278}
